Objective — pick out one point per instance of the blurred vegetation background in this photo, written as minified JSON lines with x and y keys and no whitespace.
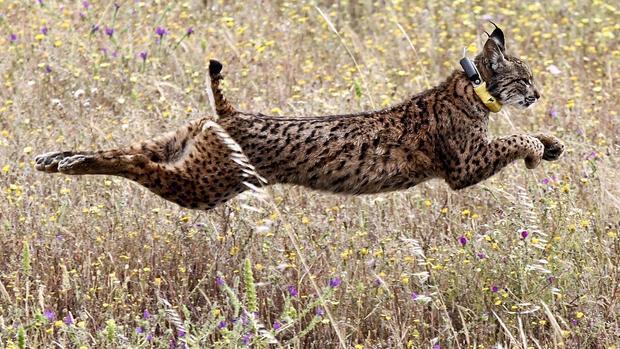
{"x":526,"y":259}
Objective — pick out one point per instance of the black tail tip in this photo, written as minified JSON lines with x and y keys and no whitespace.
{"x":215,"y":67}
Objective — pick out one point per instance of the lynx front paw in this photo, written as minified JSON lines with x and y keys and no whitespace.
{"x":553,"y":147}
{"x":48,"y":162}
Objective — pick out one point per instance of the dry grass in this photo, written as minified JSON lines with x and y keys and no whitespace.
{"x":84,"y":258}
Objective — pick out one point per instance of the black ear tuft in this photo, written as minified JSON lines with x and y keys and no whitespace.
{"x":498,"y":35}
{"x":215,"y":67}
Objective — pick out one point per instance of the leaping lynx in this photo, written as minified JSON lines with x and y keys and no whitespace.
{"x":438,"y":133}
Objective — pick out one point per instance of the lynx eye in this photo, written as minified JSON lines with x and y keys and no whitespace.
{"x":524,"y":82}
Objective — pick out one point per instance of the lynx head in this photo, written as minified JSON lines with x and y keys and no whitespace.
{"x":508,"y":78}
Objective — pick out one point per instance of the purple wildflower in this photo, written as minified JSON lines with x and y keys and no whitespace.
{"x":481,"y":255}
{"x":146,"y":314}
{"x":44,"y":30}
{"x":181,"y":333}
{"x":173,"y":344}
{"x":94,"y":28}
{"x":545,"y":181}
{"x":437,"y":346}
{"x":524,"y":234}
{"x":139,"y":330}
{"x":574,"y":322}
{"x":335,"y":282}
{"x":246,"y":339}
{"x":245,"y":319}
{"x":48,"y":69}
{"x":13,"y":38}
{"x":49,"y":315}
{"x":161,"y":31}
{"x":143,"y":55}
{"x":68,"y":319}
{"x":190,"y":31}
{"x":222,"y":325}
{"x":553,"y":112}
{"x":551,"y":279}
{"x":219,"y":281}
{"x":414,"y":296}
{"x":109,"y":31}
{"x":149,"y":337}
{"x":85,"y":4}
{"x":463,"y":240}
{"x":277,"y":325}
{"x":593,"y":155}
{"x":292,"y":291}
{"x":320,"y":311}
{"x":494,"y":289}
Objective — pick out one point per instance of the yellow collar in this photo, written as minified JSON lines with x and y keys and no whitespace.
{"x":486,"y":98}
{"x":480,"y":86}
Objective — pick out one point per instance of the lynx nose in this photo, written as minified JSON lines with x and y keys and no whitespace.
{"x":533,"y":96}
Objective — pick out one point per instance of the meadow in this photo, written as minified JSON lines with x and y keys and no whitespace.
{"x":526,"y":259}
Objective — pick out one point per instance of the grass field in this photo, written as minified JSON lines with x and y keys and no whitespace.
{"x":527,"y":259}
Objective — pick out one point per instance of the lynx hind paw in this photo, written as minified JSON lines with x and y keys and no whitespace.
{"x":48,"y":162}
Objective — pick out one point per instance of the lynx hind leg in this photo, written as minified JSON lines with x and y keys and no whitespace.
{"x":125,"y":161}
{"x":105,"y":163}
{"x":109,"y":162}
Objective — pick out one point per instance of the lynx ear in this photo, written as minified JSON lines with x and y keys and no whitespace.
{"x":494,"y":49}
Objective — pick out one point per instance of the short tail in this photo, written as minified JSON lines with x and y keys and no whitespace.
{"x":222,"y":106}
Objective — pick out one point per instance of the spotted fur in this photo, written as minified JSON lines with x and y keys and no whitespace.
{"x":438,"y":133}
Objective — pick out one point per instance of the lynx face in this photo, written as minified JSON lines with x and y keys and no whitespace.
{"x":511,"y":80}
{"x":514,"y":84}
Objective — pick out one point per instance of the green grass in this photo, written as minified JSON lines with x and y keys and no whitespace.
{"x":99,"y":262}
